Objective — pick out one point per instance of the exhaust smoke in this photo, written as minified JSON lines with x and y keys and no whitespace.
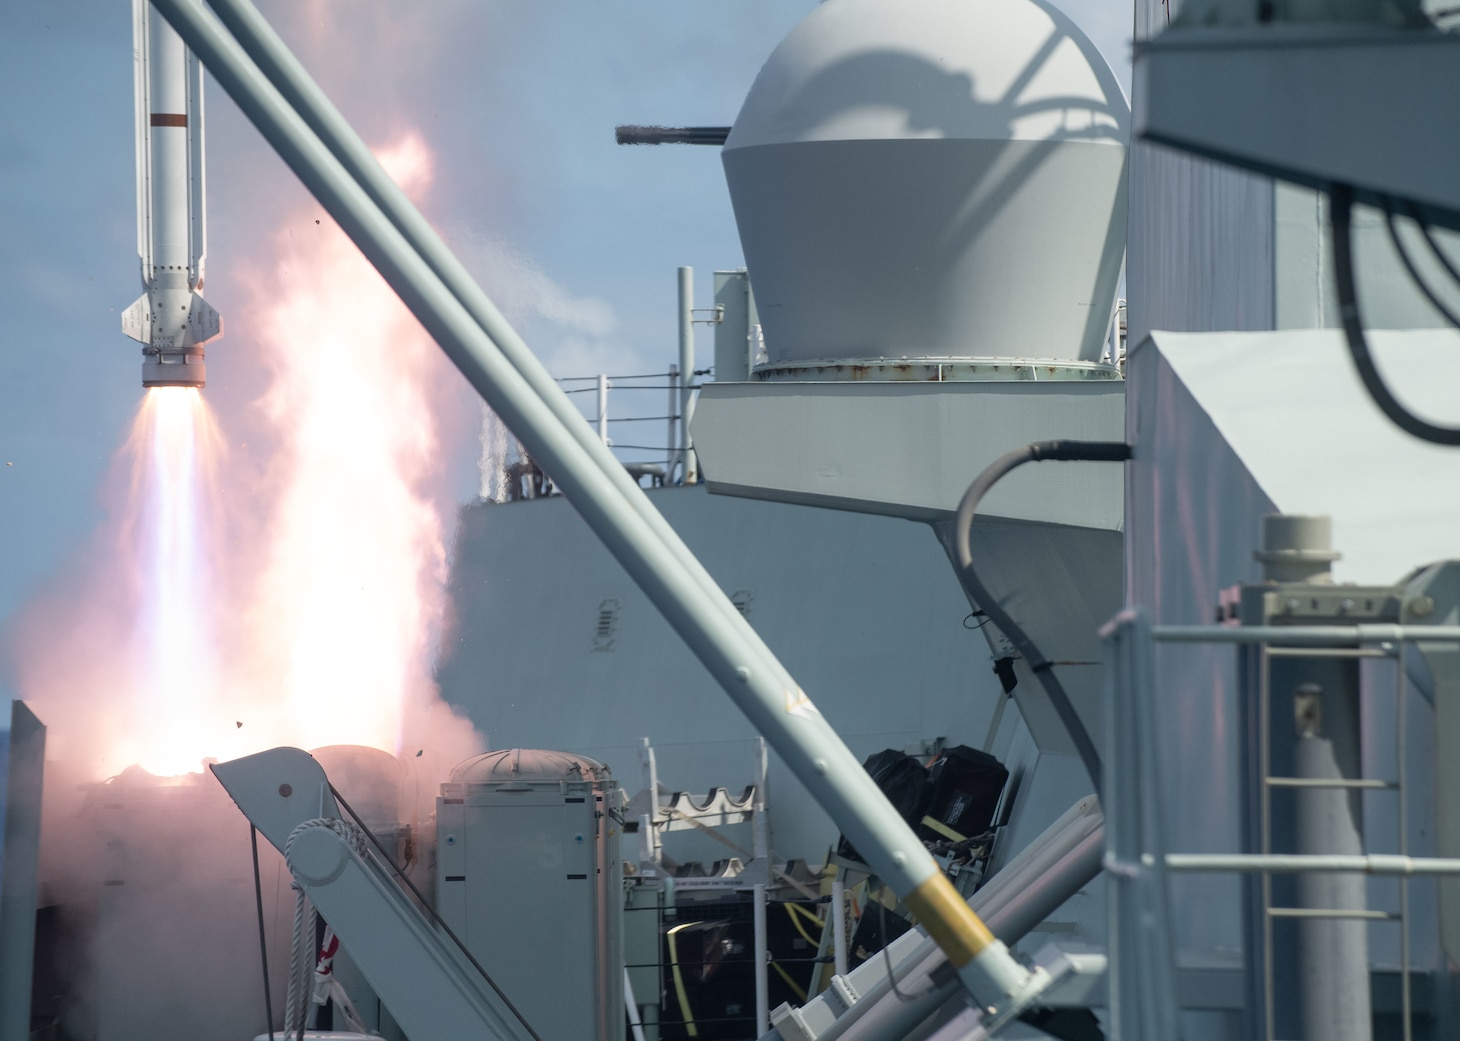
{"x":222,"y":610}
{"x":234,"y":600}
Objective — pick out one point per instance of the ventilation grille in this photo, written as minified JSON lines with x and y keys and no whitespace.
{"x":607,"y":625}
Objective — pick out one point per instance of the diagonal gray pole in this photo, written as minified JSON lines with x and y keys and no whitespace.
{"x":651,"y":553}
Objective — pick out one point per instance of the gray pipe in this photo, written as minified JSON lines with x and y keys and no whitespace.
{"x":1054,"y":867}
{"x":20,"y":871}
{"x":1333,"y":953}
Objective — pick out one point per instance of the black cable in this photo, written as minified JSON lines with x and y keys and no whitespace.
{"x":1440,"y":254}
{"x":258,"y":895}
{"x":1414,"y":275}
{"x":1088,"y":451}
{"x":1340,"y":220}
{"x":887,"y":955}
{"x":635,"y":386}
{"x":633,"y":376}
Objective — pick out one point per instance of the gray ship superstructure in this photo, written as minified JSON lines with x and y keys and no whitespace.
{"x":1196,"y":615}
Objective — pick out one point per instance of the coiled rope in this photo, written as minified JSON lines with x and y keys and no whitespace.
{"x":301,"y":956}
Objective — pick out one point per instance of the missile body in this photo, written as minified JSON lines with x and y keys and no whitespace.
{"x":171,"y":319}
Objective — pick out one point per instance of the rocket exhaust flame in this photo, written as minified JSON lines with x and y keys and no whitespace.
{"x":218,"y":617}
{"x":120,"y":654}
{"x":350,"y":585}
{"x":176,"y":447}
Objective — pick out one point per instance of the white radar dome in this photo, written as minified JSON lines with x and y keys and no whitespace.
{"x":921,"y":180}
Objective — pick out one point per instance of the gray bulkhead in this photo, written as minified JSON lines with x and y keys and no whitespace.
{"x":551,"y":645}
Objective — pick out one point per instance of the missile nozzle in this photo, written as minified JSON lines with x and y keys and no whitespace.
{"x":174,"y":369}
{"x":172,"y":351}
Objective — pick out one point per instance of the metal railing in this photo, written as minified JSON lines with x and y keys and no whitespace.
{"x":1142,"y":965}
{"x":660,"y":462}
{"x":740,"y":955}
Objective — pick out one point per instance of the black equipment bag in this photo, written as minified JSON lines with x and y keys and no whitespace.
{"x":965,"y":788}
{"x":905,"y":782}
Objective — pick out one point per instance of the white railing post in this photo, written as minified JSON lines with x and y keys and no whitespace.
{"x":762,"y":984}
{"x":687,"y":369}
{"x":603,"y":408}
{"x":673,"y":413}
{"x":838,"y":924}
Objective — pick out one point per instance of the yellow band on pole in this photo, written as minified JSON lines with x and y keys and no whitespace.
{"x":949,"y":920}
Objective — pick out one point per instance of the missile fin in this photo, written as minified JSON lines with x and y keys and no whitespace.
{"x":137,"y":320}
{"x":203,"y":322}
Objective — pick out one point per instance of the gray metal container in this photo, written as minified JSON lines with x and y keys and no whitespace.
{"x":529,"y":876}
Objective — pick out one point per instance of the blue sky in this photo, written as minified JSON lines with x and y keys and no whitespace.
{"x":578,"y":238}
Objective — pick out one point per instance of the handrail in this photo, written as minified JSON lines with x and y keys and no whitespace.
{"x":1299,"y":863}
{"x":1308,"y":635}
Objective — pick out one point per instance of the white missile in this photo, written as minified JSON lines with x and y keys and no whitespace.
{"x":170,"y":318}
